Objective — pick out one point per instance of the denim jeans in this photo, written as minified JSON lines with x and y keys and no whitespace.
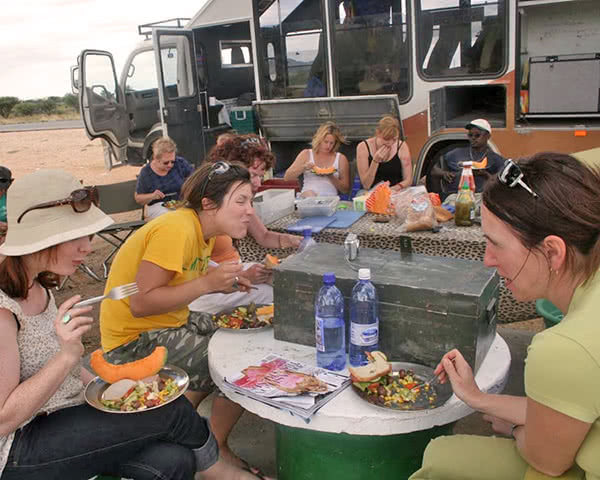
{"x":168,"y":443}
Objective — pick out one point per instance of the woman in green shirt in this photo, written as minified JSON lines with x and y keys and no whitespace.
{"x":541,"y":219}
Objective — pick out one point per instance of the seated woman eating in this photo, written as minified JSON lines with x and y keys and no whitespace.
{"x":541,"y":219}
{"x":250,"y":151}
{"x":160,"y":180}
{"x":324,"y":155}
{"x":46,"y":428}
{"x":168,"y":259}
{"x":384,"y":157}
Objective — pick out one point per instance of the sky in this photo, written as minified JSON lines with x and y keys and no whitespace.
{"x":41,"y":39}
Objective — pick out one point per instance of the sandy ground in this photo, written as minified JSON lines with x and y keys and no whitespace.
{"x":70,"y":150}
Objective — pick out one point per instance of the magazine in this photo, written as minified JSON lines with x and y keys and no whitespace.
{"x":289,"y":385}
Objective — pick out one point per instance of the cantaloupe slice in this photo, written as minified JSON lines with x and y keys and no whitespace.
{"x":324,"y":170}
{"x":136,"y":370}
{"x":271,"y":261}
{"x":380,"y":200}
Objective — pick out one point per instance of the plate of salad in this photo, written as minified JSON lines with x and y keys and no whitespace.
{"x":245,"y":318}
{"x":130,"y":396}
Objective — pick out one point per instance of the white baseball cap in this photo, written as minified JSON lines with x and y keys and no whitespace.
{"x":481,"y":124}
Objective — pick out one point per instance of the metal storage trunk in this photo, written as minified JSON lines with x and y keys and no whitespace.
{"x":427,"y":305}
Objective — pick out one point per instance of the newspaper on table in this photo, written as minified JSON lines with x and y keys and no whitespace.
{"x":261,"y":383}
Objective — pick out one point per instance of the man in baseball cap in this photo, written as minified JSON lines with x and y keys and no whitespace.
{"x":485,"y":162}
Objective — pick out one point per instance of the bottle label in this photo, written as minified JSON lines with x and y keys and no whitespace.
{"x":319,"y":335}
{"x":472,"y":213}
{"x":364,"y":335}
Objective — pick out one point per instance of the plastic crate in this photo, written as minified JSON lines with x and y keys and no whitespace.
{"x":271,"y":205}
{"x":317,"y":206}
{"x":242,"y":119}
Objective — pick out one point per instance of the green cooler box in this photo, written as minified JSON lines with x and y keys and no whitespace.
{"x":242,"y":119}
{"x":427,"y":305}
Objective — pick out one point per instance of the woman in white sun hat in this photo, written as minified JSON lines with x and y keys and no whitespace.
{"x":46,"y":429}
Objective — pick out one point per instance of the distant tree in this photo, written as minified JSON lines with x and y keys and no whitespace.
{"x":24,"y":109}
{"x":7,"y":104}
{"x":71,"y":101}
{"x":48,"y":105}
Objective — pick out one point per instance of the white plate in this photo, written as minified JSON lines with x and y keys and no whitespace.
{"x":95,"y":389}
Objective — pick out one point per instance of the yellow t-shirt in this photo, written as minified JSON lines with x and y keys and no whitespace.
{"x":173,"y":241}
{"x":562,"y":370}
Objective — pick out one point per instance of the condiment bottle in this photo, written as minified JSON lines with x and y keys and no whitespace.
{"x":467,"y":175}
{"x":465,"y":207}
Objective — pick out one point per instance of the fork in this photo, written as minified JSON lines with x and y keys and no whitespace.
{"x":431,"y":380}
{"x":116,"y":293}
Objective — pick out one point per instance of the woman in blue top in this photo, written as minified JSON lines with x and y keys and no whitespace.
{"x":160,"y":180}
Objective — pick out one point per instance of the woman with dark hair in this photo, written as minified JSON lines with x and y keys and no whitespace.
{"x":251,"y":151}
{"x":46,"y":428}
{"x":168,"y":259}
{"x":541,"y":219}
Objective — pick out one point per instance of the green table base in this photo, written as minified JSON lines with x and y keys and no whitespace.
{"x":308,"y":454}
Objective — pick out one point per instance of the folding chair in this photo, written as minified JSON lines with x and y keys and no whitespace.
{"x":118,"y":198}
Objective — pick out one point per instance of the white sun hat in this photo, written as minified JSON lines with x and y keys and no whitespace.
{"x":481,"y":124}
{"x":43,"y":228}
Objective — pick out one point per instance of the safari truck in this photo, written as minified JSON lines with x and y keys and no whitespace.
{"x":530,"y":67}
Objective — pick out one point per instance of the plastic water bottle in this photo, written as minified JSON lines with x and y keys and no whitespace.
{"x":330,"y":328}
{"x":364,"y":319}
{"x":307,"y":241}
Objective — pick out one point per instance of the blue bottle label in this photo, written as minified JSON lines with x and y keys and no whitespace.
{"x":319,"y":335}
{"x":364,"y":335}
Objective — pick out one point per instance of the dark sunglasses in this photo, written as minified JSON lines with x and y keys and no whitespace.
{"x":219,"y":168}
{"x":475,"y":134}
{"x":511,"y":175}
{"x":81,"y":200}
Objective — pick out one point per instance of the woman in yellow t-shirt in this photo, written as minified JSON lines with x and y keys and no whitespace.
{"x":541,"y":219}
{"x":168,"y":259}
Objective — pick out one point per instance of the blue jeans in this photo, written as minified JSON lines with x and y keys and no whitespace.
{"x":168,"y":443}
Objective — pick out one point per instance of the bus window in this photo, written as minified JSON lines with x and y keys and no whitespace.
{"x":236,"y":54}
{"x":371,"y":47}
{"x":461,"y":39}
{"x":297,"y":65}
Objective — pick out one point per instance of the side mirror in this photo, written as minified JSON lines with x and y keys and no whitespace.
{"x":75,"y":80}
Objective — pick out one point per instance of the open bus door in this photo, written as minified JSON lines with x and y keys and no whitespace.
{"x":101,"y":102}
{"x":178,"y":92}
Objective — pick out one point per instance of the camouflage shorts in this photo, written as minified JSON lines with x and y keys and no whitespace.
{"x":187,"y":346}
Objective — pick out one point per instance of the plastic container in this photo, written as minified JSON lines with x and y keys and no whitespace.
{"x":307,"y":241}
{"x":279,"y":183}
{"x":271,"y":205}
{"x":317,"y":206}
{"x":242,"y":119}
{"x":360,"y":203}
{"x":330,"y":329}
{"x":364,"y":319}
{"x":464,"y":207}
{"x":552,"y":315}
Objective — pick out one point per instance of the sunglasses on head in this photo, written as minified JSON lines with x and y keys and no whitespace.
{"x":251,"y":141}
{"x":81,"y":200}
{"x":218,"y":168}
{"x":511,"y":175}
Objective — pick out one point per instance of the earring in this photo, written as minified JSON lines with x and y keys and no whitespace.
{"x":552,"y":271}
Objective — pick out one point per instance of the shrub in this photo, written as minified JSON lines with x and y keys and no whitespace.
{"x":7,"y":104}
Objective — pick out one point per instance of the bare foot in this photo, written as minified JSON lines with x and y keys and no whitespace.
{"x":226,"y":454}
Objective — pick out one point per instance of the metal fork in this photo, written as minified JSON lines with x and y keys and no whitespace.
{"x":430,"y":381}
{"x":116,"y":293}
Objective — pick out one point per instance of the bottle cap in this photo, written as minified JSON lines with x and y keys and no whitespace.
{"x":364,"y":274}
{"x":307,"y":232}
{"x":329,"y":278}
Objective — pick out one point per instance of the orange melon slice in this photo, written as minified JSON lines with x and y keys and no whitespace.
{"x":380,"y":200}
{"x":136,"y":370}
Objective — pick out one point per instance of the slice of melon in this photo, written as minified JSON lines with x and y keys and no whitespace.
{"x":266,"y":310}
{"x":324,"y":170}
{"x":380,"y":200}
{"x":136,"y":370}
{"x":271,"y":261}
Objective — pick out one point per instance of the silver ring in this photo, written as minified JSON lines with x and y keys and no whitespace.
{"x":235,"y":282}
{"x":66,"y":319}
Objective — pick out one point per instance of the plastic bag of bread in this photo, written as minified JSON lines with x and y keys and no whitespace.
{"x":413,"y":207}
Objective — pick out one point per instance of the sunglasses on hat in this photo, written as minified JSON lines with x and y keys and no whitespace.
{"x":5,"y":182}
{"x":511,"y":175}
{"x":81,"y":200}
{"x":219,"y":168}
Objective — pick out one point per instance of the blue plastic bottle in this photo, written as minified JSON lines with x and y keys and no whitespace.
{"x":364,"y":319}
{"x":330,"y":328}
{"x":307,"y":241}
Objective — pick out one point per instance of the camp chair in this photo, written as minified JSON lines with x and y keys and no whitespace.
{"x":118,"y":198}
